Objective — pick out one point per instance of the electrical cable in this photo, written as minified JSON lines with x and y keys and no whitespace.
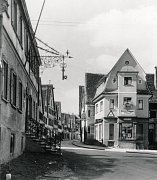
{"x":39,"y":17}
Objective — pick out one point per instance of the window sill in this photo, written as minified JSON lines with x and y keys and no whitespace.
{"x":14,"y":106}
{"x":5,"y":100}
{"x":128,"y":85}
{"x":127,"y":140}
{"x":20,"y":111}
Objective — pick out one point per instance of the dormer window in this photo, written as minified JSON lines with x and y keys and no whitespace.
{"x":127,"y":81}
{"x":140,"y":81}
{"x":114,"y":80}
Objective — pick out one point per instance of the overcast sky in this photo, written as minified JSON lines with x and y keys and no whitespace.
{"x":96,"y":32}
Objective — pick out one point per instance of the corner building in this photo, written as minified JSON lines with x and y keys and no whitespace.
{"x":19,"y":78}
{"x":122,"y":105}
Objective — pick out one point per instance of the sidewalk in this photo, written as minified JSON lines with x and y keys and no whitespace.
{"x":114,"y":149}
{"x":80,"y":144}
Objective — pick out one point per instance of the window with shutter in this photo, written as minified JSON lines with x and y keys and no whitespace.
{"x":13,"y":88}
{"x":20,"y":96}
{"x":14,"y":14}
{"x":5,"y":80}
{"x":12,"y":143}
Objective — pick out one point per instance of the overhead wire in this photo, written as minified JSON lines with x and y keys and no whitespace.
{"x":39,"y":17}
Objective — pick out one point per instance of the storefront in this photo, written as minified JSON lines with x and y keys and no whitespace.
{"x":133,"y":133}
{"x":98,"y":130}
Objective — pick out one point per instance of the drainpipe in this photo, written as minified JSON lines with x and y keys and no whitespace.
{"x":0,"y":76}
{"x":0,"y":54}
{"x":3,"y":8}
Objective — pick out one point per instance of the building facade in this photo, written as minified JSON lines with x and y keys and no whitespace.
{"x":152,"y":130}
{"x":19,"y":78}
{"x":86,"y":107}
{"x":122,"y":105}
{"x":70,"y":126}
{"x":49,"y":108}
{"x":58,"y":116}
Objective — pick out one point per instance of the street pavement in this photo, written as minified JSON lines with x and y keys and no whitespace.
{"x":113,"y":149}
{"x":84,"y":163}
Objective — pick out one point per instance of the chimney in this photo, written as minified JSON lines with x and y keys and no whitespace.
{"x":155,"y":78}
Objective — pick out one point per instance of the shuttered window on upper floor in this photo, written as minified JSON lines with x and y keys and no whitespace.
{"x":5,"y":80}
{"x":14,"y":14}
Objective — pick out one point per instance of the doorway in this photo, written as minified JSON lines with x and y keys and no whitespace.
{"x":151,"y":136}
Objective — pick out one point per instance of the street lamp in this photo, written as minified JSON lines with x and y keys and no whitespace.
{"x":63,"y":65}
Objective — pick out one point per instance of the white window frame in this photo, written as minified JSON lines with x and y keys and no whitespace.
{"x":101,"y":106}
{"x":113,"y":106}
{"x":128,"y":84}
{"x":140,"y":108}
{"x":96,"y":108}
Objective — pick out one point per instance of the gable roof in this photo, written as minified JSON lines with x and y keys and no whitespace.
{"x":91,"y":81}
{"x":126,"y":64}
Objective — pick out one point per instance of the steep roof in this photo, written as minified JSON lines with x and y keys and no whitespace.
{"x":126,"y":64}
{"x":91,"y":81}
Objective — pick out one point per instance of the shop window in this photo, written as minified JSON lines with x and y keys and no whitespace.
{"x":126,"y":131}
{"x":96,"y":132}
{"x":140,"y":104}
{"x":111,"y":103}
{"x":5,"y":80}
{"x":100,"y":132}
{"x":101,"y":106}
{"x":12,"y":143}
{"x":127,"y":81}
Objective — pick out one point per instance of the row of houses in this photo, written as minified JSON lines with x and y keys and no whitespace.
{"x":28,"y":110}
{"x":120,"y":108}
{"x":71,"y":126}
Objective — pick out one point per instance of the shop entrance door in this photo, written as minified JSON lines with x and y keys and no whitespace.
{"x":111,"y":131}
{"x":151,"y":135}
